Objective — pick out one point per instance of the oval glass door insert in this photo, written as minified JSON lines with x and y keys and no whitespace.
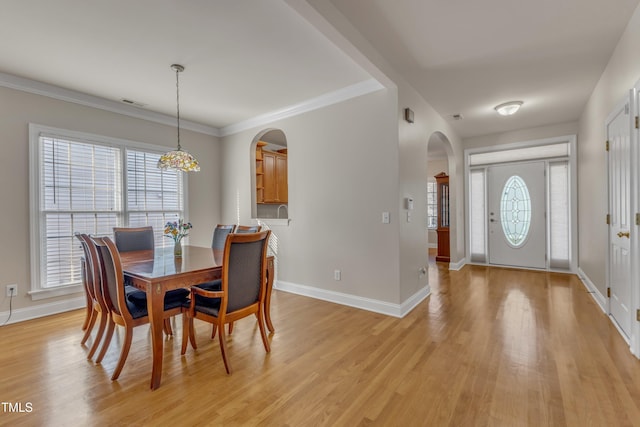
{"x":515,"y":211}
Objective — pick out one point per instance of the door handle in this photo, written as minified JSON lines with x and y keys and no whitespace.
{"x":625,"y":234}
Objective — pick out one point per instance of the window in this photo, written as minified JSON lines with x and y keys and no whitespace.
{"x":432,"y":205}
{"x":515,"y":211}
{"x":477,"y":209}
{"x":77,"y":183}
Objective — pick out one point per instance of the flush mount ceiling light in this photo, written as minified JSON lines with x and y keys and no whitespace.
{"x":508,"y":108}
{"x":178,"y":159}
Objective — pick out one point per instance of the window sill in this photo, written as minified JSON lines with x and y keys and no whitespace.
{"x":41,"y":294}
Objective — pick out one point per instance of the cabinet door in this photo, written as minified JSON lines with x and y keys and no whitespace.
{"x":269,"y":167}
{"x":281,"y":179}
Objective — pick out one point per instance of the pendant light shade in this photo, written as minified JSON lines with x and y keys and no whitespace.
{"x":178,"y":159}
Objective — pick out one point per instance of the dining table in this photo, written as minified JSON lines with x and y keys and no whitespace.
{"x":158,"y":271}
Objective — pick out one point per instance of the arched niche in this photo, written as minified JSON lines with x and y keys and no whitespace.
{"x":269,"y":175}
{"x":440,"y":160}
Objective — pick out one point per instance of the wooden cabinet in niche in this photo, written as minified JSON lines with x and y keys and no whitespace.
{"x":260,"y":172}
{"x":271,"y":175}
{"x":442,"y":180}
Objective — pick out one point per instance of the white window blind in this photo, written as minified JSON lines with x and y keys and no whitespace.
{"x":154,"y":196}
{"x":80,"y":192}
{"x":559,"y":222}
{"x":519,"y":154}
{"x":90,"y":184}
{"x":477,"y":212}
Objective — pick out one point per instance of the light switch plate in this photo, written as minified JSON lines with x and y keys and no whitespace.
{"x":385,"y":218}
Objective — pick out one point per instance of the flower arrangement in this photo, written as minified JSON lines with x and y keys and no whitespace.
{"x":177,"y":229}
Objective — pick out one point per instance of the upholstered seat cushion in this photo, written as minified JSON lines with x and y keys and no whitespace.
{"x":209,"y":306}
{"x":214,"y":285}
{"x":137,"y":300}
{"x":172,"y":299}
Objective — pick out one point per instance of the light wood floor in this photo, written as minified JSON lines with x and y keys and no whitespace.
{"x":490,"y":346}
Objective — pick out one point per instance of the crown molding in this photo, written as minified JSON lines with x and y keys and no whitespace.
{"x":68,"y":95}
{"x":358,"y":89}
{"x":55,"y":92}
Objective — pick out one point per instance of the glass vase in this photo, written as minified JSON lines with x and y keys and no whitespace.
{"x":177,"y":249}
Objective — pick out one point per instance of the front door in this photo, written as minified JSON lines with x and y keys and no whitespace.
{"x":619,"y":137}
{"x":517,"y":231}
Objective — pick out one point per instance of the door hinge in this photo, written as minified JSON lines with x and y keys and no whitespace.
{"x":608,"y":292}
{"x":638,"y":315}
{"x":638,"y":219}
{"x":637,"y":124}
{"x":608,"y":219}
{"x":607,"y":145}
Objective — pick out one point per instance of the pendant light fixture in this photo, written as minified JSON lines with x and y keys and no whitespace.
{"x":178,"y":159}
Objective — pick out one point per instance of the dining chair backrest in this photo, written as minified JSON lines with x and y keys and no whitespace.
{"x":244,"y":269}
{"x":87,"y":270}
{"x":220,"y":234}
{"x":248,"y":229}
{"x":111,"y":274}
{"x":134,"y":238}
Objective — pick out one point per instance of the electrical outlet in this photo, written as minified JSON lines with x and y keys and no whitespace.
{"x":12,"y":290}
{"x":336,"y":274}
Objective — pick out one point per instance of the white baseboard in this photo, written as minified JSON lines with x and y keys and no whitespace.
{"x":41,"y":310}
{"x":457,"y":265}
{"x":595,"y":293}
{"x":377,"y":306}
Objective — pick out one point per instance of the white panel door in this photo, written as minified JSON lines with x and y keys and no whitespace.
{"x":619,"y":137}
{"x":517,"y":203}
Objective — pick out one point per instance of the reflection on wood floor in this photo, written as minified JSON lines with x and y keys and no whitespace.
{"x":490,"y":346}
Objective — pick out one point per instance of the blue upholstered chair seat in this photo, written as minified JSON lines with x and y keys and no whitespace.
{"x":210,"y":306}
{"x":138,"y":310}
{"x":215,"y":285}
{"x":173,"y":298}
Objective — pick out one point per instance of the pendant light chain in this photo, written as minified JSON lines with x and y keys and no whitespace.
{"x":178,"y":104}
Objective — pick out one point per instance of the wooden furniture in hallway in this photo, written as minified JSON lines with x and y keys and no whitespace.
{"x":442,"y":183}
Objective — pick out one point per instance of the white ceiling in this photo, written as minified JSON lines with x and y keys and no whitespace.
{"x":247,"y":58}
{"x":242,"y":58}
{"x":465,"y":56}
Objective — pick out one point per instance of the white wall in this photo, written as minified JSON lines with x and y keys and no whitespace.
{"x":18,"y":109}
{"x":620,"y":75}
{"x":412,"y":140}
{"x":342,"y":174}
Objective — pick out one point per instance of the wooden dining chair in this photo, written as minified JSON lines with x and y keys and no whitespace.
{"x":123,"y":312}
{"x":244,"y":281}
{"x":84,"y":277}
{"x":248,"y":229}
{"x":142,"y":239}
{"x":99,"y":310}
{"x":134,"y":238}
{"x":220,"y":234}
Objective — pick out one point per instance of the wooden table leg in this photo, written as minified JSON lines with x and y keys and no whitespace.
{"x":155,"y":306}
{"x":267,"y":298}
